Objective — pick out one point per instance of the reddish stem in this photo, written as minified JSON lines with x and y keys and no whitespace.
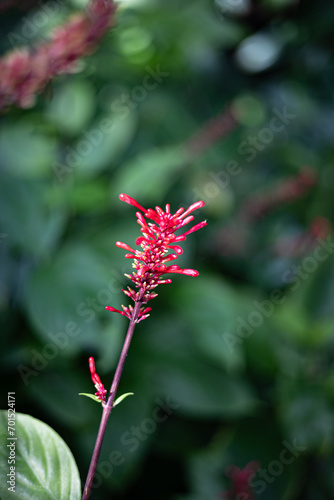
{"x":110,"y":402}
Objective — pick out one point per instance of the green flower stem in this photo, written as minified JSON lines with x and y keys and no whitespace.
{"x":110,"y":402}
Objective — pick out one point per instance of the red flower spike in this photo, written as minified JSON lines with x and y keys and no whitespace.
{"x":101,"y":391}
{"x":241,"y":481}
{"x":158,"y":238}
{"x":25,"y":72}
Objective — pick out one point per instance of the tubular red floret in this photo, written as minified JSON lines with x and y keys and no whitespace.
{"x":131,"y":201}
{"x":101,"y":391}
{"x":195,"y":228}
{"x":186,"y":272}
{"x":96,"y":379}
{"x":151,"y":214}
{"x":112,"y":309}
{"x":179,"y":212}
{"x":140,"y":240}
{"x":91,"y":363}
{"x":170,"y":257}
{"x":159,"y":211}
{"x":185,"y":221}
{"x":173,"y":268}
{"x":119,"y":244}
{"x":176,"y":248}
{"x":162,"y":268}
{"x":180,"y":237}
{"x":130,"y":256}
{"x":194,"y":206}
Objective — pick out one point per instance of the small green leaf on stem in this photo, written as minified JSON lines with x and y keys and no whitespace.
{"x":92,"y":396}
{"x":120,"y":399}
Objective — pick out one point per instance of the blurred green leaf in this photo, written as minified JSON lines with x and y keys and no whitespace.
{"x":296,"y":324}
{"x":103,"y":143}
{"x":26,"y":217}
{"x":205,"y":470}
{"x":72,"y":106}
{"x":62,"y":402}
{"x":67,"y":314}
{"x":210,"y":307}
{"x":93,"y":196}
{"x":150,"y":173}
{"x":27,"y":149}
{"x":202,"y":390}
{"x":306,"y":416}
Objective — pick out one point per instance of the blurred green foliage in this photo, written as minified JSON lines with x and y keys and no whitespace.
{"x":244,"y":369}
